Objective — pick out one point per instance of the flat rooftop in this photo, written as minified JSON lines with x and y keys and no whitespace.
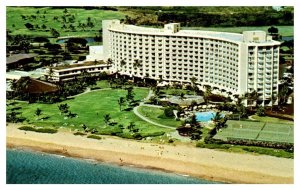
{"x":160,"y":31}
{"x":74,"y":65}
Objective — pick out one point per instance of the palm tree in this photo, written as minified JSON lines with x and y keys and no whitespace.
{"x":240,"y":107}
{"x":131,"y":126}
{"x":109,"y":61}
{"x":38,"y":112}
{"x":219,"y":121}
{"x":14,"y":88}
{"x":273,"y":99}
{"x":137,"y":63}
{"x":251,"y":98}
{"x":207,"y":94}
{"x":121,"y":102}
{"x":63,"y":108}
{"x":122,"y":63}
{"x":106,"y":119}
{"x":182,"y":96}
{"x":84,"y":127}
{"x":283,"y":94}
{"x":193,"y":104}
{"x":193,"y":82}
{"x":23,"y":84}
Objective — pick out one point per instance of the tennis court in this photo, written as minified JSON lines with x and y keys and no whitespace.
{"x":261,"y":131}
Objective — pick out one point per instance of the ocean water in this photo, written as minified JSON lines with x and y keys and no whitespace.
{"x":28,"y":167}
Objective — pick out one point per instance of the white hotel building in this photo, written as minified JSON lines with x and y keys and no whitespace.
{"x":230,"y":62}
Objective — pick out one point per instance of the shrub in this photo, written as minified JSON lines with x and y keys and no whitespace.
{"x":94,"y":137}
{"x":79,"y":133}
{"x":170,"y":141}
{"x":27,"y":128}
{"x":46,"y":130}
{"x":109,"y":131}
{"x":126,"y":135}
{"x":39,"y":130}
{"x":169,"y":111}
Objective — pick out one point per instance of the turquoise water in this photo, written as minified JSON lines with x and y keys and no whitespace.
{"x":26,"y":167}
{"x":205,"y":116}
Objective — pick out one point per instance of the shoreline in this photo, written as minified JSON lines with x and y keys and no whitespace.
{"x":179,"y":159}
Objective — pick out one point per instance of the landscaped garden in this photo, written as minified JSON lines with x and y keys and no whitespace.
{"x":98,"y":110}
{"x":157,"y":115}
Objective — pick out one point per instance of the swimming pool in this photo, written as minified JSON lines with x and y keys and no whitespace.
{"x":205,"y":116}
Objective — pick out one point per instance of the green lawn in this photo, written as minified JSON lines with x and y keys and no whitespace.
{"x":15,"y":23}
{"x":90,"y":109}
{"x":157,"y":115}
{"x":263,"y":130}
{"x":283,"y":30}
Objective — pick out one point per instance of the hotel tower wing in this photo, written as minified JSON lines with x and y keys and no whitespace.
{"x":230,"y":62}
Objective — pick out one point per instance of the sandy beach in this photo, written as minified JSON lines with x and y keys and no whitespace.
{"x":182,"y":159}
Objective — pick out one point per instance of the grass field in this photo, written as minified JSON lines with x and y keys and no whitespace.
{"x":90,"y":109}
{"x":264,"y":131}
{"x":157,"y":115}
{"x":283,"y":30}
{"x":16,"y":24}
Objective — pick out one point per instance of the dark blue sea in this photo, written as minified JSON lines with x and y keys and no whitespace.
{"x":28,"y":167}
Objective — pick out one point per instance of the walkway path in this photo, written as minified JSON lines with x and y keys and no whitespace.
{"x":135,"y":111}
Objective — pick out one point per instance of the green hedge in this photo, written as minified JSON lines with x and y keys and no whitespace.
{"x":109,"y":131}
{"x":39,"y":130}
{"x":94,"y":137}
{"x":79,"y":133}
{"x":289,"y":147}
{"x":130,"y":135}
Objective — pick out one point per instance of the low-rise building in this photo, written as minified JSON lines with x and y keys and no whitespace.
{"x":70,"y":71}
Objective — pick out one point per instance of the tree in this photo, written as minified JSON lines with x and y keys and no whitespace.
{"x":137,"y":63}
{"x":168,"y":111}
{"x":207,"y":94}
{"x":63,"y":108}
{"x":12,"y":117}
{"x":122,"y":63}
{"x":193,"y":104}
{"x":219,"y":120}
{"x":273,"y":100}
{"x":54,"y":33}
{"x":84,"y":127}
{"x":156,"y":90}
{"x":130,"y":94}
{"x":29,"y":26}
{"x":193,"y":82}
{"x":38,"y":112}
{"x":251,"y":98}
{"x":273,"y":30}
{"x":240,"y":107}
{"x":106,"y":119}
{"x":14,"y":87}
{"x":121,"y":102}
{"x":131,"y":126}
{"x":283,"y":94}
{"x":260,"y":111}
{"x":109,"y":61}
{"x":182,"y":96}
{"x":65,"y":11}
